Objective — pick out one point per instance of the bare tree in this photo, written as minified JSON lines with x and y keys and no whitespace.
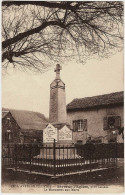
{"x":37,"y":33}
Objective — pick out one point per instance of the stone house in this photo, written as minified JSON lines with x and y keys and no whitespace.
{"x":97,"y":118}
{"x":19,"y":126}
{"x":11,"y":131}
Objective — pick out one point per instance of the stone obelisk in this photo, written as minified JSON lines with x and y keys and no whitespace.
{"x":57,"y":110}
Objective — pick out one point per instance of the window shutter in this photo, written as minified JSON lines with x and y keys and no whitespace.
{"x":85,"y":125}
{"x":105,"y":123}
{"x":74,"y":125}
{"x":118,"y":122}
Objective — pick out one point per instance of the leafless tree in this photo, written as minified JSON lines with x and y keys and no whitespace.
{"x":38,"y":33}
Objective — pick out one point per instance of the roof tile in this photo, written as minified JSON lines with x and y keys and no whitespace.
{"x":96,"y":101}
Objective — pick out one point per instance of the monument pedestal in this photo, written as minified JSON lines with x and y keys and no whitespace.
{"x":58,"y":151}
{"x":57,"y":140}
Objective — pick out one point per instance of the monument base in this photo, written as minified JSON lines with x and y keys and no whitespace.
{"x":59,"y":151}
{"x":57,"y":142}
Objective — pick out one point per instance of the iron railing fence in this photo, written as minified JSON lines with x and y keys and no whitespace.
{"x":55,"y":159}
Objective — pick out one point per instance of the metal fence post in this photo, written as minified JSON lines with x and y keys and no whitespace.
{"x":15,"y":157}
{"x":54,"y":156}
{"x":30,"y":155}
{"x":116,"y":152}
{"x":90,"y":161}
{"x":8,"y":146}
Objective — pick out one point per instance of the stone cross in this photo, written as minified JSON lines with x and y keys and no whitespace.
{"x":57,"y":70}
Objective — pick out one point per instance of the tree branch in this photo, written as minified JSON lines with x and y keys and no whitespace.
{"x":51,"y":30}
{"x":20,"y":36}
{"x":61,"y":5}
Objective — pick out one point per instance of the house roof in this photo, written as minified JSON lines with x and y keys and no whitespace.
{"x":4,"y":113}
{"x":28,"y":119}
{"x":97,"y":101}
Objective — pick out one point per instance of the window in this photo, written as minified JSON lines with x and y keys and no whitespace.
{"x":80,"y":125}
{"x":112,"y":122}
{"x":8,"y":122}
{"x":79,"y":141}
{"x":8,"y":136}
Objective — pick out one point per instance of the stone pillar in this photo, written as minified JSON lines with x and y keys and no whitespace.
{"x":57,"y":110}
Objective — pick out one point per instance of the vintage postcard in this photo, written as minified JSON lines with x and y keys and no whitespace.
{"x":62,"y":97}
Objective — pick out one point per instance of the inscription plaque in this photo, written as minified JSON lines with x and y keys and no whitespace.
{"x":65,"y":134}
{"x":49,"y":134}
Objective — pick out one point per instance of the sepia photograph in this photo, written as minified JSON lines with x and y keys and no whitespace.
{"x":62,"y":113}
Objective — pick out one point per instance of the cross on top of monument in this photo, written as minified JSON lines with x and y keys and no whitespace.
{"x":57,"y":70}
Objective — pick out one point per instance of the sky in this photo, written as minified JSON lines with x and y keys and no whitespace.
{"x":31,"y":91}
